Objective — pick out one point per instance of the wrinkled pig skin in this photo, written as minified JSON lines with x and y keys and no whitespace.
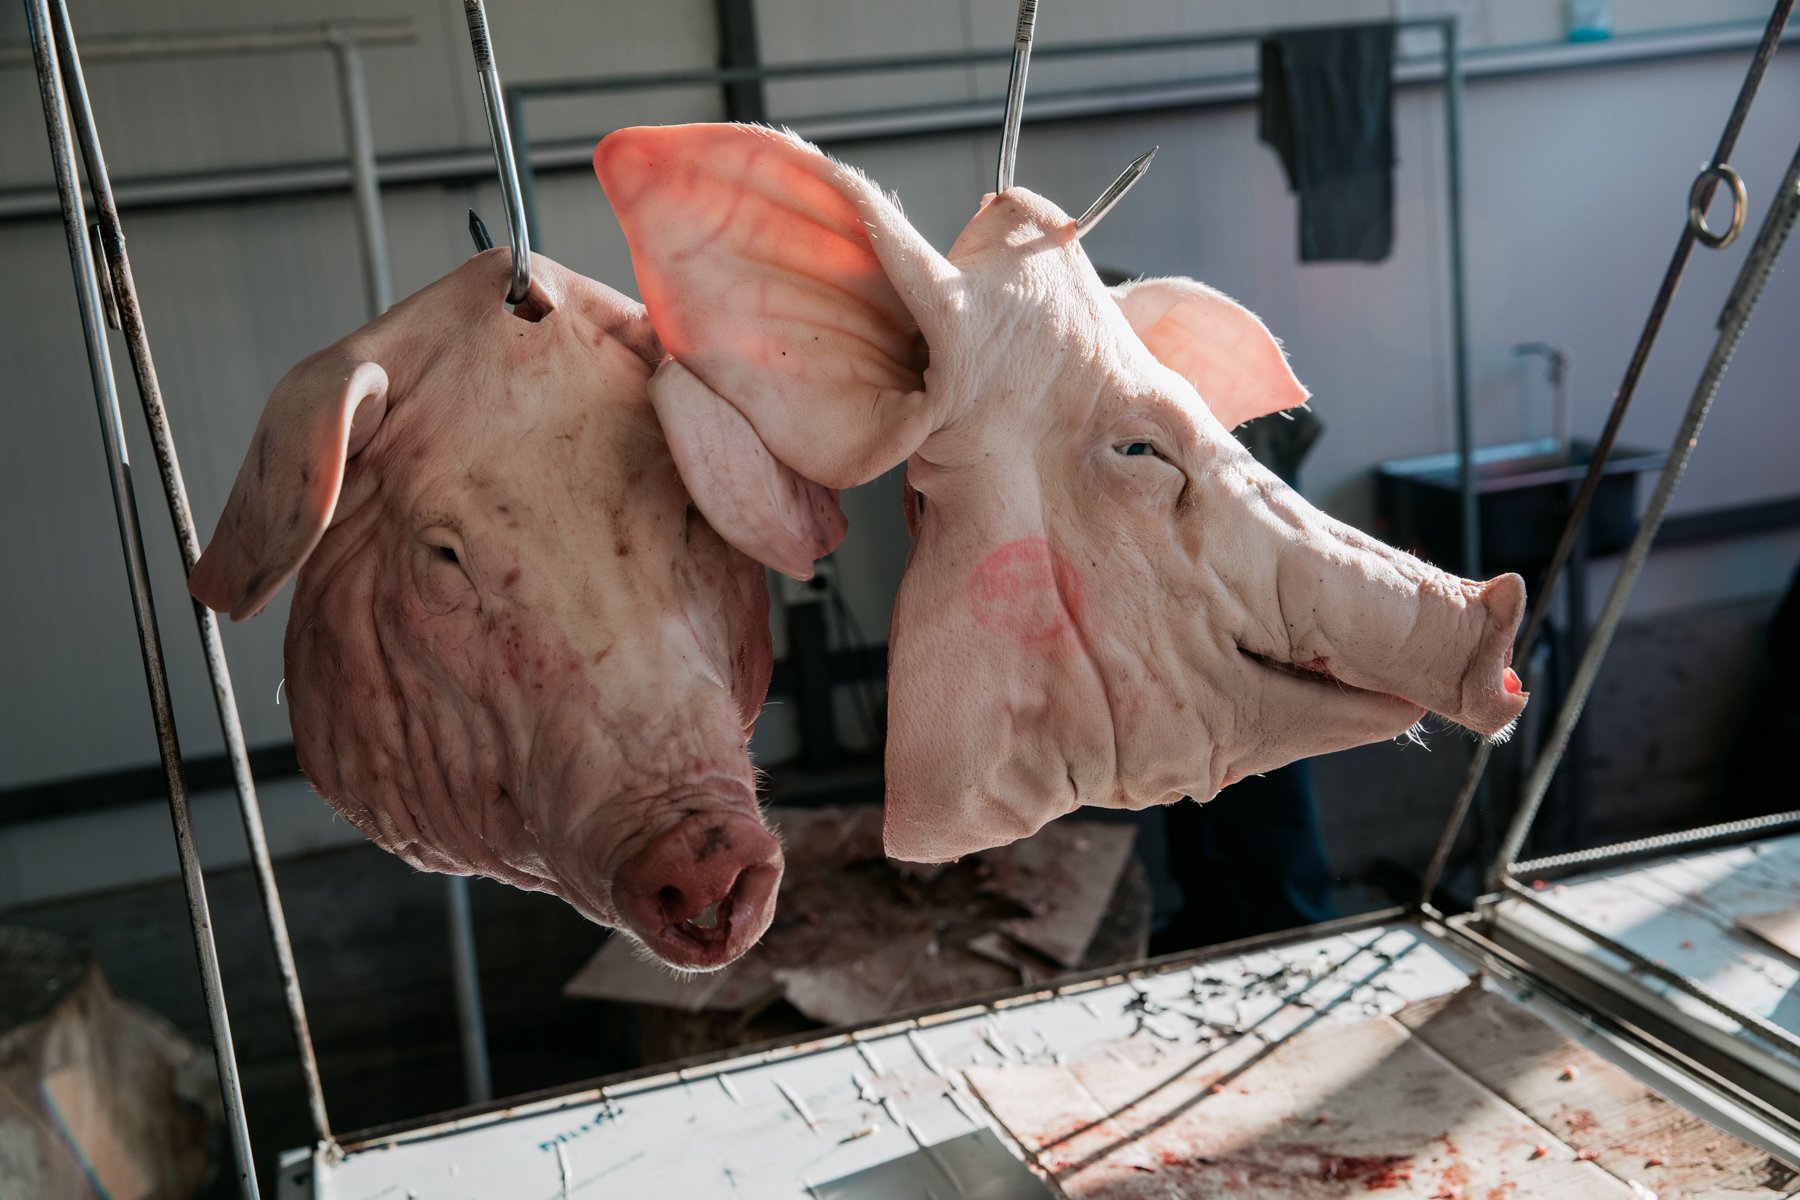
{"x":515,"y":650}
{"x":1108,"y":600}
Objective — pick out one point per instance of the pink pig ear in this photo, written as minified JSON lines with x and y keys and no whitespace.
{"x":1216,"y":344}
{"x":765,"y":509}
{"x":321,"y":414}
{"x":776,"y":276}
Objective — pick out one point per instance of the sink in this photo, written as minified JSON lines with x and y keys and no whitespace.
{"x":1524,"y":491}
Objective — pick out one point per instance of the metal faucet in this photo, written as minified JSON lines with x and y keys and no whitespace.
{"x":1556,"y":362}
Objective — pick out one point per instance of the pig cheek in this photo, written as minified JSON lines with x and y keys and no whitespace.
{"x":733,"y":636}
{"x":1030,"y":595}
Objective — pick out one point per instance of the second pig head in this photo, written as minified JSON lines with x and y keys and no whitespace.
{"x":1108,"y":601}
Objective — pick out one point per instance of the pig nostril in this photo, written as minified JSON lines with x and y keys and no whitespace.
{"x":707,"y":919}
{"x":670,"y":899}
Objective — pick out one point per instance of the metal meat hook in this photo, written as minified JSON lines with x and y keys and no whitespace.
{"x":1015,"y":93}
{"x":1023,"y":33}
{"x":503,"y":150}
{"x":1115,"y":192}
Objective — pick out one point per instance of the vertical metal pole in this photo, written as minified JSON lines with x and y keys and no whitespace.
{"x":162,"y":440}
{"x":1459,"y":301}
{"x":137,"y":570}
{"x":744,"y":98}
{"x":521,"y":144}
{"x":494,"y":106}
{"x":353,"y":95}
{"x":471,"y":1023}
{"x":1023,"y":33}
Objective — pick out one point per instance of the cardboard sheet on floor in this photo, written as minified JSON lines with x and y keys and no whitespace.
{"x":857,"y":937}
{"x":1460,"y":1097}
{"x":1780,"y":929}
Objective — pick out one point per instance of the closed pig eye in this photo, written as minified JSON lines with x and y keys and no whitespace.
{"x":440,"y":574}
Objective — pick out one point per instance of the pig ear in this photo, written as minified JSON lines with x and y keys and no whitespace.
{"x":1215,"y":343}
{"x":322,"y":413}
{"x":762,"y":507}
{"x":776,"y":276}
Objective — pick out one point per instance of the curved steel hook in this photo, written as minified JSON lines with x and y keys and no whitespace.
{"x":501,"y":136}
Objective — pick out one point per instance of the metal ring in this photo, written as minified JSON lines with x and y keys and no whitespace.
{"x":1740,"y":205}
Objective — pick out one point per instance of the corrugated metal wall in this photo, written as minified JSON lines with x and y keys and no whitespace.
{"x":1574,"y":180}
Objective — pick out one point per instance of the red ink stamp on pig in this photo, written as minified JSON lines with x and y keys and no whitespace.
{"x":1025,"y":591}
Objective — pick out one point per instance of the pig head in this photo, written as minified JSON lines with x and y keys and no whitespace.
{"x":1108,"y":600}
{"x":515,"y":648}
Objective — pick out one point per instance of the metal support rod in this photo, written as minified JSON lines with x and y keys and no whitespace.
{"x":1742,"y":303}
{"x":498,"y":134}
{"x":223,"y":42}
{"x":1459,"y":302}
{"x":471,"y":1024}
{"x":359,"y":137}
{"x":1023,"y":33}
{"x":137,"y":570}
{"x":1684,"y":245}
{"x":521,"y":144}
{"x":1641,"y":965}
{"x":874,"y":64}
{"x":1659,"y":844}
{"x":162,"y":440}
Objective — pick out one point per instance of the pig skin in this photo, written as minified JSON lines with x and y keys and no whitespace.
{"x":1108,"y":600}
{"x":515,"y":649}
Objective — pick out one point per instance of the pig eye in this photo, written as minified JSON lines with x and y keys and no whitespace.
{"x":1134,"y":449}
{"x":439,"y":574}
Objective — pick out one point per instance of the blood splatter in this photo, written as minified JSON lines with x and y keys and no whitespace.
{"x":1029,"y":593}
{"x":1376,"y":1172}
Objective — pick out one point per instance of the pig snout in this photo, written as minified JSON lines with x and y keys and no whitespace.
{"x":1492,"y":696}
{"x":1445,"y":647}
{"x":702,"y":892}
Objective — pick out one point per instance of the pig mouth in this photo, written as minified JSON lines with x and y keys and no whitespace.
{"x":1315,"y":671}
{"x":706,"y":931}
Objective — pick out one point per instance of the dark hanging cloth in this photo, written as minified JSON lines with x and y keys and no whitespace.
{"x":1327,"y":108}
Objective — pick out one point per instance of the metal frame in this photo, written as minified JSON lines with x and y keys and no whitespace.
{"x":345,"y":40}
{"x":1638,"y":552}
{"x":1509,"y":876}
{"x":110,"y":296}
{"x":62,"y":88}
{"x":56,"y":89}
